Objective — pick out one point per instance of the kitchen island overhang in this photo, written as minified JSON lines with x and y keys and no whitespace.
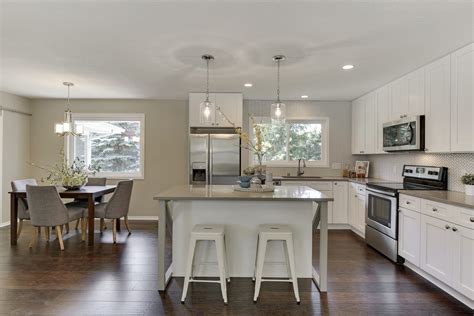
{"x":301,"y":207}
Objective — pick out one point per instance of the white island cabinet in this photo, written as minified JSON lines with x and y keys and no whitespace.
{"x":300,"y":207}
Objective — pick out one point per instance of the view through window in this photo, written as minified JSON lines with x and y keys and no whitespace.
{"x":114,"y":144}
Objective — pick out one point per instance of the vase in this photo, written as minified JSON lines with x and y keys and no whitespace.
{"x":469,"y":189}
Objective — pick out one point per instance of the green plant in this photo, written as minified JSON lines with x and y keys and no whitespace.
{"x":62,"y":173}
{"x":468,"y":179}
{"x":249,"y":171}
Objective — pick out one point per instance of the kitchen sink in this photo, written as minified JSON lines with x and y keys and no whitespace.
{"x":300,"y":177}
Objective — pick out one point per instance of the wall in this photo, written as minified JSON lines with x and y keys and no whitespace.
{"x":390,"y":166}
{"x":15,"y":144}
{"x":339,"y":113}
{"x":165,"y":141}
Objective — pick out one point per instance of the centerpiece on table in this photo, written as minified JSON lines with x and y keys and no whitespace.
{"x":468,"y":181}
{"x":70,"y":176}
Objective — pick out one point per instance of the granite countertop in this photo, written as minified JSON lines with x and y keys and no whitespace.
{"x":226,"y":192}
{"x":355,"y":180}
{"x":448,"y":197}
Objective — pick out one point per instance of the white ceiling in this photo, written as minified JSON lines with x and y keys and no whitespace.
{"x":151,"y":49}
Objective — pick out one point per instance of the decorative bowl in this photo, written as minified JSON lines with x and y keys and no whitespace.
{"x":72,"y":187}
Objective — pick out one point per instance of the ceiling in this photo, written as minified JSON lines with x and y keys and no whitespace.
{"x":151,"y":49}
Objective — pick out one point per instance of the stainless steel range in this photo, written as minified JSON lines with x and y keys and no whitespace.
{"x":381,"y":206}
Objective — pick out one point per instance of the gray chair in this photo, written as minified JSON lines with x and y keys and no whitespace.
{"x":100,"y":182}
{"x":23,"y":213}
{"x":117,"y":207}
{"x":48,"y":210}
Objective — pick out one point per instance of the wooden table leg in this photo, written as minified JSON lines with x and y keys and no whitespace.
{"x":91,"y":214}
{"x":117,"y":225}
{"x":13,"y":219}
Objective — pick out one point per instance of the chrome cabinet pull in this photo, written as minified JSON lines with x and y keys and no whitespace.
{"x":447,"y":227}
{"x":408,"y":202}
{"x":455,"y":229}
{"x":472,"y":219}
{"x":435,"y":209}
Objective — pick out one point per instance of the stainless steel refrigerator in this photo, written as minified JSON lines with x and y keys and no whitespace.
{"x":214,"y":156}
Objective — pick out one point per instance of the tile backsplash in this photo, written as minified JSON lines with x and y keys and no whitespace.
{"x":390,"y":166}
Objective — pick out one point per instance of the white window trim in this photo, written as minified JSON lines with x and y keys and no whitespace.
{"x":69,"y":141}
{"x":323,"y":163}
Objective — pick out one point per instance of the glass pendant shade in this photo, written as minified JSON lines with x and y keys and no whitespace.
{"x":66,"y":127}
{"x":206,"y":110}
{"x":278,"y":111}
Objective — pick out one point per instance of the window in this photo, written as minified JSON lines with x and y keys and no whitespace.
{"x":112,"y":142}
{"x":287,"y":142}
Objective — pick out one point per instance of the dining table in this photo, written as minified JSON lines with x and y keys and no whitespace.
{"x":86,"y":193}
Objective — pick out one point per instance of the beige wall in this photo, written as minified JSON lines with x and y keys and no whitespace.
{"x":339,"y":114}
{"x":165,"y":141}
{"x":15,"y":145}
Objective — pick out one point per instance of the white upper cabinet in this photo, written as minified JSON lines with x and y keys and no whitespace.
{"x":462,"y":100}
{"x":358,"y":126}
{"x":370,"y":101}
{"x":383,"y":116}
{"x":231,"y":105}
{"x":438,"y":109}
{"x":398,"y":98}
{"x":407,"y":95}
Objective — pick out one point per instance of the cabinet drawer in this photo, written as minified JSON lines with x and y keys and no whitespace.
{"x":409,"y":202}
{"x":466,"y":218}
{"x":439,"y":210}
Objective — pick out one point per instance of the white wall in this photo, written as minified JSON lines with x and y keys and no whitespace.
{"x":166,"y":142}
{"x":339,"y":114}
{"x":15,"y":146}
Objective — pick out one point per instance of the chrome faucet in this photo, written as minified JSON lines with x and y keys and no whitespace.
{"x":300,"y":171}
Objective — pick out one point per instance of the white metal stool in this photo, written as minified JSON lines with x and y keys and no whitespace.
{"x":268,"y":233}
{"x":209,"y":233}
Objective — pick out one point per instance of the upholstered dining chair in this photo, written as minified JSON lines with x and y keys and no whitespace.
{"x":48,"y":210}
{"x":117,"y":207}
{"x":92,"y":182}
{"x":23,"y":213}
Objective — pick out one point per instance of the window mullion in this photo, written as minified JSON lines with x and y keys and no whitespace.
{"x":287,"y":128}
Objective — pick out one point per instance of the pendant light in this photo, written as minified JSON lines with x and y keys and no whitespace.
{"x":66,"y":127}
{"x":278,"y":110}
{"x":206,"y":106}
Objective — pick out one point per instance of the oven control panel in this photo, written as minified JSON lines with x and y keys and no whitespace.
{"x":423,"y":172}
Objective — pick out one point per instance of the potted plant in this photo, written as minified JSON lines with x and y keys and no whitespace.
{"x":468,"y":180}
{"x":70,"y":176}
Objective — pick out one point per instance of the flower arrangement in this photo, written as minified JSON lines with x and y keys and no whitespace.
{"x":71,"y":176}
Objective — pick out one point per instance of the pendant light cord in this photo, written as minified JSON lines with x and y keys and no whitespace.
{"x":278,"y":81}
{"x":207,"y":80}
{"x":68,"y":97}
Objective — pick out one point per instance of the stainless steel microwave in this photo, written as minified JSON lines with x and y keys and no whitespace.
{"x":406,"y":134}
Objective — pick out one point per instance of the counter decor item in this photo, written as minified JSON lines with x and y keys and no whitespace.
{"x":468,"y":181}
{"x":255,"y":182}
{"x":244,"y":181}
{"x":261,"y":189}
{"x":70,"y":177}
{"x":362,"y":169}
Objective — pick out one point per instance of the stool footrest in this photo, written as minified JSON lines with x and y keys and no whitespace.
{"x":277,"y":280}
{"x":204,"y":281}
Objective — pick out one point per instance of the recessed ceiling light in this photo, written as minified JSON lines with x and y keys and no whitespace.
{"x":248,"y":85}
{"x":304,"y":96}
{"x":347,"y":67}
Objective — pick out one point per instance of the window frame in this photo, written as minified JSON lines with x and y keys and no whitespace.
{"x":70,"y":141}
{"x":323,"y":163}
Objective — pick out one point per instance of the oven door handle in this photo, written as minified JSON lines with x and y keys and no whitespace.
{"x":383,"y":193}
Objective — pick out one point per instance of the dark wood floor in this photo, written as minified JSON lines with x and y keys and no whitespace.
{"x":121,"y":280}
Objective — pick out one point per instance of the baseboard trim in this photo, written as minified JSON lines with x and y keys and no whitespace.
{"x":446,"y":288}
{"x":143,"y":218}
{"x":5,"y":224}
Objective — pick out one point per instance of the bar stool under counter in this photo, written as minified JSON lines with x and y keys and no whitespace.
{"x":281,"y":233}
{"x":216,"y":234}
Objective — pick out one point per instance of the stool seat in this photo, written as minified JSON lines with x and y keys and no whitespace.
{"x":275,"y":232}
{"x":214,"y":233}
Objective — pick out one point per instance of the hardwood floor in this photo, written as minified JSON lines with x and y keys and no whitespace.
{"x":121,"y":280}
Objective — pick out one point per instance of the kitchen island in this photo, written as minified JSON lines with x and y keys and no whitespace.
{"x":302,"y":208}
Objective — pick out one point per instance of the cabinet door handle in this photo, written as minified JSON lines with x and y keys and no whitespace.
{"x":408,"y":202}
{"x":472,"y":219}
{"x":335,"y":183}
{"x":447,"y":227}
{"x":435,"y":209}
{"x":455,"y":229}
{"x":355,"y":195}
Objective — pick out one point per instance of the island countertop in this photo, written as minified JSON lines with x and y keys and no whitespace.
{"x":226,"y":192}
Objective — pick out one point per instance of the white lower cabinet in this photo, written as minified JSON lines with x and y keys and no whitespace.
{"x":357,"y":208}
{"x":435,"y":242}
{"x":441,"y":247}
{"x":409,"y":235}
{"x":340,"y":209}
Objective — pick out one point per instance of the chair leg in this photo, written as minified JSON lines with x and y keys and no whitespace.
{"x":114,"y":230}
{"x":60,"y":237}
{"x":221,"y":262}
{"x":189,"y":268}
{"x":83,"y":228}
{"x":39,"y":230}
{"x":291,"y":257}
{"x":20,"y":227}
{"x":77,"y":224}
{"x":126,"y":224}
{"x":46,"y":233}
{"x":67,"y":228}
{"x":102,"y":223}
{"x":262,"y":248}
{"x":34,"y":236}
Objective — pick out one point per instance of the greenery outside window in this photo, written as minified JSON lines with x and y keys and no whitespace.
{"x":113,"y":142}
{"x":294,"y":139}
